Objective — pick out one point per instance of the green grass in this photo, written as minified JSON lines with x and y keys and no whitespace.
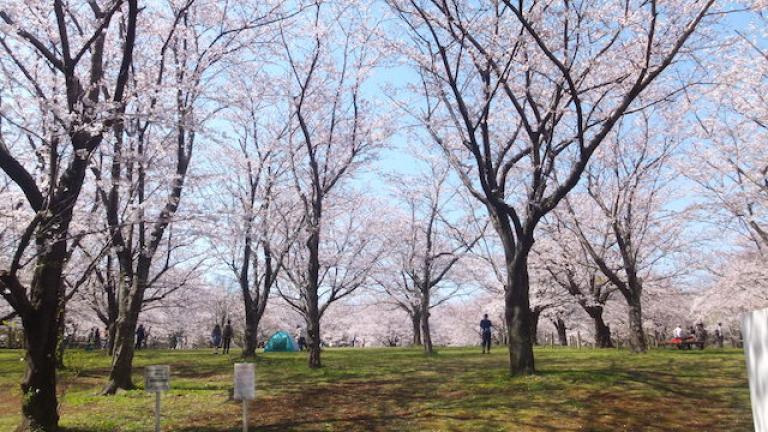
{"x":403,"y":390}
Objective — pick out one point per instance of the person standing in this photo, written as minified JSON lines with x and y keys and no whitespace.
{"x":677,"y":333}
{"x":701,"y":335}
{"x":96,"y":338}
{"x":216,"y":338}
{"x":89,"y":342}
{"x":141,"y":334}
{"x":719,"y":335}
{"x":485,"y":330}
{"x":301,"y":337}
{"x":227,"y":337}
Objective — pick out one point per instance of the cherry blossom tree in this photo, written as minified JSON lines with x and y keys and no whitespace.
{"x":728,"y":165}
{"x":737,"y":285}
{"x":624,"y":217}
{"x":333,"y":132}
{"x":728,"y":162}
{"x":548,"y":302}
{"x":180,"y":264}
{"x":145,"y":174}
{"x":63,"y":91}
{"x":570,"y":267}
{"x":259,"y":224}
{"x":519,"y":96}
{"x":347,"y":257}
{"x":430,"y":242}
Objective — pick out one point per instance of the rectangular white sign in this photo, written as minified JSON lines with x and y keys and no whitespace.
{"x":245,"y":381}
{"x":157,"y":378}
{"x":754,"y":329}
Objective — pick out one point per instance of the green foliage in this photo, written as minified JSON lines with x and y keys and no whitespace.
{"x":401,"y":389}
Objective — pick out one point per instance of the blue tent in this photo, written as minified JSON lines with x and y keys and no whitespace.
{"x":281,"y":342}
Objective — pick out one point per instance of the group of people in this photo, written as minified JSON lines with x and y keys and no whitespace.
{"x":222,"y":338}
{"x":699,"y":333}
{"x":94,"y":339}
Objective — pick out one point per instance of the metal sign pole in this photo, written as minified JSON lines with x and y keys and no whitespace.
{"x":157,"y":380}
{"x":244,"y":387}
{"x":245,"y":415}
{"x":157,"y":411}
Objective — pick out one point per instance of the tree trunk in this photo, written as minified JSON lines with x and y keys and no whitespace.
{"x":425,"y":332}
{"x":517,"y":317}
{"x":111,"y":335}
{"x":122,"y":359}
{"x":251,"y":333}
{"x":636,"y":332}
{"x":416,"y":322}
{"x":602,"y":331}
{"x":39,"y":405}
{"x":534,"y":326}
{"x":60,"y":339}
{"x":562,"y":336}
{"x":313,"y":334}
{"x":311,"y":295}
{"x":517,"y":305}
{"x":123,"y":350}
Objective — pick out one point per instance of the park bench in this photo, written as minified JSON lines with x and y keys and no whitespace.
{"x":685,"y":343}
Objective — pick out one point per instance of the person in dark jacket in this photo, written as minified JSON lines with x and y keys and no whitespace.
{"x":141,"y":334}
{"x":719,"y":335}
{"x":96,"y":338}
{"x":485,"y":330}
{"x":216,"y":338}
{"x":227,"y":334}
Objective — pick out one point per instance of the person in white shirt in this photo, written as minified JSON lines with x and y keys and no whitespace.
{"x":301,"y":337}
{"x":678,"y":332}
{"x":719,"y":335}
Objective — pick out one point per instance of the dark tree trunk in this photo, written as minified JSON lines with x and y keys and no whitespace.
{"x":602,"y":331}
{"x":534,"y":326}
{"x":517,"y":317}
{"x":425,"y":332}
{"x":122,"y":358}
{"x":111,"y":335}
{"x":416,"y":322}
{"x":39,"y":407}
{"x":517,"y":305}
{"x":251,"y":333}
{"x":60,"y":339}
{"x":112,"y":314}
{"x":562,"y":334}
{"x":313,"y":334}
{"x":312,"y":299}
{"x":41,"y":322}
{"x":120,"y":377}
{"x":636,"y":332}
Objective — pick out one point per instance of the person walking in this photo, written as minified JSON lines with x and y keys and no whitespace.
{"x":227,"y":334}
{"x":216,"y":338}
{"x":485,"y":330}
{"x":141,"y":334}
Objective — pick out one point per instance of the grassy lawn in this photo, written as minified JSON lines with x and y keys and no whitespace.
{"x":402,"y":390}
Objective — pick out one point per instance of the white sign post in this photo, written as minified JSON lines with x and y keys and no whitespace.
{"x":156,"y":380}
{"x":754,"y":329}
{"x":245,"y":387}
